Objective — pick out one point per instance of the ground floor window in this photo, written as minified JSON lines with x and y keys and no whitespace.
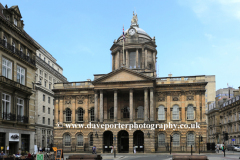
{"x":25,"y":141}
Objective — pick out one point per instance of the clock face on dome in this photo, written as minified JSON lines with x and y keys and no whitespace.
{"x":131,"y":31}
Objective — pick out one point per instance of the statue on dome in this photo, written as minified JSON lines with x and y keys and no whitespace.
{"x":134,"y":19}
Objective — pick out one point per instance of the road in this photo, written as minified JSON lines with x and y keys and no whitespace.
{"x":230,"y":155}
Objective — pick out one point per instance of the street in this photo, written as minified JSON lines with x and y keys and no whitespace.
{"x":230,"y":155}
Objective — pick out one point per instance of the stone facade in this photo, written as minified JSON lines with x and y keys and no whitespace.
{"x":17,"y":72}
{"x":224,"y":116}
{"x":48,"y":72}
{"x":130,"y":94}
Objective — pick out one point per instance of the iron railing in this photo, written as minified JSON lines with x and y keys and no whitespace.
{"x":17,"y":52}
{"x":9,"y":116}
{"x":23,"y":119}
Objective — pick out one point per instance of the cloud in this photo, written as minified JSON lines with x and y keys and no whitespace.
{"x":209,"y":36}
{"x":214,"y":9}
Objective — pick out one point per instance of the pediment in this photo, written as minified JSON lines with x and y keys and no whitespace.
{"x":123,"y":75}
{"x":16,"y":9}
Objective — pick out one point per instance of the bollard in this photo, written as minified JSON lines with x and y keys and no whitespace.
{"x":114,"y":153}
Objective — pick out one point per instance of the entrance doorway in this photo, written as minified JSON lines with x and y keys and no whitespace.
{"x":123,"y":142}
{"x":13,"y":148}
{"x":107,"y":141}
{"x":138,"y":140}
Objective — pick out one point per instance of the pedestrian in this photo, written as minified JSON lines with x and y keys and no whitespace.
{"x":112,"y":150}
{"x":95,"y":150}
{"x":222,"y":148}
{"x":2,"y":154}
{"x":40,"y":149}
{"x":134,"y":149}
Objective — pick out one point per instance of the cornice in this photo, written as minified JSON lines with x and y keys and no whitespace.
{"x":46,"y":66}
{"x":45,"y":91}
{"x":183,"y":84}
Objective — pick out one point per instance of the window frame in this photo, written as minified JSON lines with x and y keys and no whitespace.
{"x":161,"y":113}
{"x":190,"y":112}
{"x":8,"y":74}
{"x":175,"y":112}
{"x":20,"y":74}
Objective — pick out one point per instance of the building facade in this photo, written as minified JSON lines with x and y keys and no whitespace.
{"x":224,"y":116}
{"x":48,"y":72}
{"x":225,"y":92}
{"x":17,"y":73}
{"x":130,"y":94}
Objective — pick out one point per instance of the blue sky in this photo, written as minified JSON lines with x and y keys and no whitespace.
{"x":194,"y":37}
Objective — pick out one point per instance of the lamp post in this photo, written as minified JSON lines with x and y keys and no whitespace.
{"x":114,"y":150}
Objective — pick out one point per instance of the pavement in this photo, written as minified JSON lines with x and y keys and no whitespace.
{"x":163,"y":156}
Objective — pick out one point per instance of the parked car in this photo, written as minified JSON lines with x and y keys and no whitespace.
{"x":231,"y":147}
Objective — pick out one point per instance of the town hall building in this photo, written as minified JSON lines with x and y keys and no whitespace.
{"x":131,"y":93}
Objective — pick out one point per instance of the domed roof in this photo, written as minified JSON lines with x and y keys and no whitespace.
{"x":140,"y":31}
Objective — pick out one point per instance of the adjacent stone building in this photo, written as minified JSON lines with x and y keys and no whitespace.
{"x":224,"y":116}
{"x":130,"y":94}
{"x":48,"y":72}
{"x":17,"y":73}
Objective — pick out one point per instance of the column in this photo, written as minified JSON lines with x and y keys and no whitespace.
{"x":96,"y":105}
{"x":183,"y":107}
{"x":136,"y":58}
{"x":115,"y":106}
{"x":145,"y":58}
{"x":123,"y":59}
{"x":56,"y":111}
{"x":118,"y":60}
{"x":1,"y":101}
{"x":197,"y":111}
{"x":112,"y":62}
{"x":168,"y":107}
{"x":145,"y":104}
{"x":131,"y":104}
{"x":61,"y":110}
{"x":154,"y":60}
{"x":127,"y":59}
{"x":74,"y":111}
{"x":151,"y":105}
{"x":101,"y":106}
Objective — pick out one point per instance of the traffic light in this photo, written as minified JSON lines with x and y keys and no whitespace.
{"x":201,"y":140}
{"x":225,"y":136}
{"x":171,"y":139}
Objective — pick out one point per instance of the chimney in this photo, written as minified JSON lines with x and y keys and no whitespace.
{"x":170,"y":75}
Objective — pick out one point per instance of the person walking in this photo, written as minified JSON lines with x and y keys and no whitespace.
{"x":112,"y":150}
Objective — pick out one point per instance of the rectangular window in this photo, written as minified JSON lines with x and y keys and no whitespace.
{"x":20,"y":107}
{"x":40,"y":72}
{"x":49,"y":62}
{"x":45,"y":84}
{"x":43,"y":121}
{"x":6,"y":106}
{"x":53,"y":122}
{"x":43,"y":97}
{"x":15,"y":22}
{"x":49,"y":100}
{"x":21,"y":75}
{"x":53,"y":111}
{"x":48,"y":121}
{"x":53,"y":101}
{"x":45,"y":75}
{"x":48,"y":110}
{"x":43,"y":109}
{"x":132,"y":61}
{"x":50,"y":86}
{"x":6,"y":68}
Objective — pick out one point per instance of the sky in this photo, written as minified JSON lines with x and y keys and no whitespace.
{"x":193,"y":37}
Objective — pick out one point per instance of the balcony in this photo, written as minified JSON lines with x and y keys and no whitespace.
{"x":16,"y":85}
{"x":13,"y":117}
{"x":9,"y":116}
{"x":23,"y":119}
{"x":16,"y":52}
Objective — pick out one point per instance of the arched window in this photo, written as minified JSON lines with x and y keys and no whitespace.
{"x":126,"y":112}
{"x":92,"y":114}
{"x":190,"y":139}
{"x":175,"y":112}
{"x":5,"y":41}
{"x":176,"y":139}
{"x":79,"y":140}
{"x":140,"y":112}
{"x":111,"y":113}
{"x":91,"y":139}
{"x":67,"y":139}
{"x":68,"y":115}
{"x":80,"y":114}
{"x":13,"y":47}
{"x":161,"y":113}
{"x":190,"y":112}
{"x":161,"y":139}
